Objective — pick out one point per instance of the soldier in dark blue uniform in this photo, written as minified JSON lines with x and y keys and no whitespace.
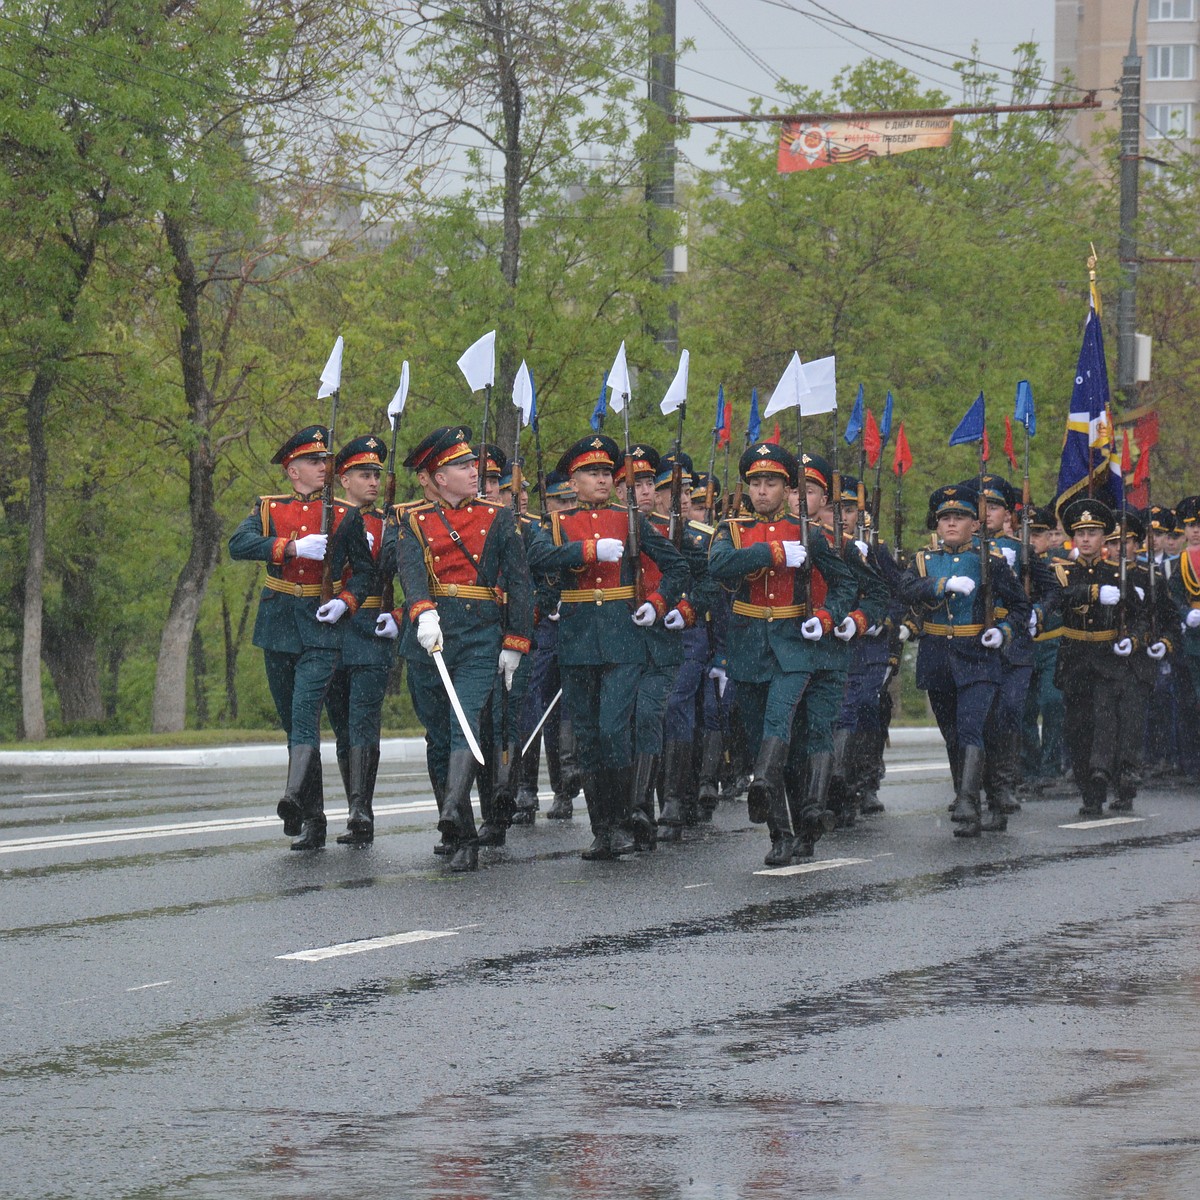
{"x":605,"y":602}
{"x":958,"y":661}
{"x":1185,"y":591}
{"x":300,"y":636}
{"x":355,"y":697}
{"x":1162,"y":711}
{"x":451,"y":555}
{"x":788,"y":598}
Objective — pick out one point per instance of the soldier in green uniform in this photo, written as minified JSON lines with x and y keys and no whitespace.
{"x":1185,"y":591}
{"x":355,"y":697}
{"x":601,"y":655}
{"x":787,"y":597}
{"x":452,"y":554}
{"x":300,"y":636}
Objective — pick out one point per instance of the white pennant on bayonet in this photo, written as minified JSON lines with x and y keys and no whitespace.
{"x":821,"y":378}
{"x":523,"y":392}
{"x":790,"y":390}
{"x":618,"y":381}
{"x":331,"y":377}
{"x":478,"y":362}
{"x":397,"y":405}
{"x":677,"y":392}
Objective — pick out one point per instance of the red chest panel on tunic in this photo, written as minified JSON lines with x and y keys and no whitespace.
{"x":589,"y":525}
{"x":295,"y":519}
{"x":776,"y":586}
{"x":446,"y":559}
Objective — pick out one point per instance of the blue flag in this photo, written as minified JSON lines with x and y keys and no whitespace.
{"x":973,"y":426}
{"x":720,"y":421}
{"x":885,"y":426}
{"x":754,"y":424}
{"x":1024,"y":408}
{"x":854,"y":426}
{"x":601,"y":408}
{"x":1089,"y":450}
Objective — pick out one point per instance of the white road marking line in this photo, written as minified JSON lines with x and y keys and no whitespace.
{"x":687,"y":887}
{"x":824,"y":864}
{"x":377,"y":943}
{"x":143,"y":986}
{"x":140,"y":833}
{"x":1102,"y":822}
{"x":76,"y":795}
{"x":919,"y":767}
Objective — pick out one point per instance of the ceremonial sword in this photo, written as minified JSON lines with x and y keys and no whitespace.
{"x":444,"y":672}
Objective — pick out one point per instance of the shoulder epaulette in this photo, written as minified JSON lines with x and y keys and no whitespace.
{"x":919,"y":562}
{"x":702,"y":527}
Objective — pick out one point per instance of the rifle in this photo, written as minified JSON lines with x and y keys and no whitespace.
{"x":394,"y":411}
{"x":710,"y":489}
{"x":898,"y":517}
{"x":327,"y":505}
{"x":1026,"y":517}
{"x":860,"y":527}
{"x":877,"y":496}
{"x":806,"y":570}
{"x":541,"y":474}
{"x":675,"y":527}
{"x":985,"y":553}
{"x":632,"y":548}
{"x":836,"y":488}
{"x":1123,"y":573}
{"x":518,"y":477}
{"x":483,"y":437}
{"x":1151,"y":567}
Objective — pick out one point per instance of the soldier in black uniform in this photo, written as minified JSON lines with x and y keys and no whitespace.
{"x":300,"y":636}
{"x":1092,"y":656}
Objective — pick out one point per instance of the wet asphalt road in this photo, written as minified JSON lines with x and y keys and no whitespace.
{"x":924,"y":1017}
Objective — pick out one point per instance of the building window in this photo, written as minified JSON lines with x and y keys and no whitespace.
{"x":1169,"y":62}
{"x":1168,"y":120}
{"x":1172,"y":10}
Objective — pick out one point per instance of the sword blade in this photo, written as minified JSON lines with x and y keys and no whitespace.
{"x":455,"y":704}
{"x":538,"y":727}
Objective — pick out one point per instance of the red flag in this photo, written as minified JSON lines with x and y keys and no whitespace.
{"x":1126,"y":459}
{"x":987,"y":449}
{"x":872,"y":442}
{"x":726,"y":428}
{"x":1141,"y":476}
{"x":902,"y":460}
{"x":774,"y":438}
{"x":1009,"y":452}
{"x":1145,"y":432}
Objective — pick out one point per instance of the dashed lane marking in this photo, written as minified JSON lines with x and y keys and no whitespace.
{"x":361,"y":947}
{"x":1102,"y":822}
{"x":141,"y":987}
{"x":824,"y":864}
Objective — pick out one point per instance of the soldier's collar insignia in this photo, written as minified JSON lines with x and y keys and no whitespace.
{"x":764,"y":450}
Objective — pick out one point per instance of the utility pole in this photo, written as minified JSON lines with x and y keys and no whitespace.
{"x":660,"y":187}
{"x":1131,"y":103}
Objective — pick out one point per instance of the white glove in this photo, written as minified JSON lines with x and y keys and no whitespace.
{"x":863,"y":548}
{"x":556,"y":613}
{"x":992,"y":639}
{"x":1123,"y":648}
{"x":962,"y":585}
{"x":386,"y":627}
{"x":330,"y":612}
{"x":645,"y":615}
{"x":1140,"y":594}
{"x":811,"y":629}
{"x":846,"y":630}
{"x":1033,"y":625}
{"x":510,"y":660}
{"x":1074,"y":553}
{"x":794,"y":554}
{"x":721,"y":677}
{"x":1157,"y":651}
{"x":609,"y":549}
{"x":1010,"y":555}
{"x":311,"y":545}
{"x":1192,"y":620}
{"x":874,"y":630}
{"x":1109,"y":595}
{"x":429,"y":631}
{"x":370,"y":540}
{"x":674,"y":619}
{"x":904,"y":633}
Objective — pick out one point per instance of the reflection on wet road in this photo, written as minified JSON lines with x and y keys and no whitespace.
{"x":199,"y":1014}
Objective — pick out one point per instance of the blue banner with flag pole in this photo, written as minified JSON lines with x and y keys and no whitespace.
{"x":973,"y":425}
{"x":601,"y":409}
{"x":1090,"y":460}
{"x":754,"y":422}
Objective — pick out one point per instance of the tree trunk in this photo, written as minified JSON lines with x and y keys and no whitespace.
{"x":69,"y":641}
{"x":170,"y":682}
{"x":199,"y":679}
{"x":33,"y":706}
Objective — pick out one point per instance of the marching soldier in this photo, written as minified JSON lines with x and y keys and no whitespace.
{"x":355,"y":697}
{"x":773,"y":627}
{"x":1185,"y":591}
{"x":300,"y":636}
{"x":451,"y":554}
{"x":1093,"y":652}
{"x":1162,"y":713}
{"x":958,"y":664}
{"x":601,"y":656}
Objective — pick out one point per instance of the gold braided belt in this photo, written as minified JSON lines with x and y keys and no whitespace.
{"x":951,"y":630}
{"x":292,"y":589}
{"x":597,"y":595}
{"x":769,"y":613}
{"x":464,"y":591}
{"x":1089,"y":635}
